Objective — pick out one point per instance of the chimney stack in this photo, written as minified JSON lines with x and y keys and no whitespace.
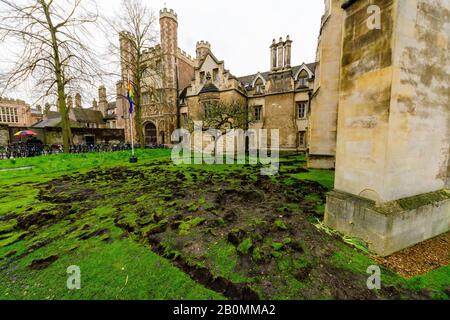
{"x":280,"y":54}
{"x":78,"y":101}
{"x":273,"y":55}
{"x":287,"y":52}
{"x":69,"y":102}
{"x":102,"y":100}
{"x":46,"y":111}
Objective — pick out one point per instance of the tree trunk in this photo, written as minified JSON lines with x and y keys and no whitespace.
{"x":139,"y":128}
{"x":65,"y":123}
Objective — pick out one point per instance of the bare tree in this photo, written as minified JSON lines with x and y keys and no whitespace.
{"x":223,"y":116}
{"x":140,"y":61}
{"x":53,"y":51}
{"x":227,"y":115}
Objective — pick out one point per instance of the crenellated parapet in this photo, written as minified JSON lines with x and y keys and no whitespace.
{"x":15,"y":102}
{"x":202,"y":49}
{"x":182,"y":54}
{"x":168,"y":13}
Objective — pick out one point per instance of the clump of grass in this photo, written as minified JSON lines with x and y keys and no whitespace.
{"x":186,"y":226}
{"x":277,"y":246}
{"x":245,"y":246}
{"x":280,"y":224}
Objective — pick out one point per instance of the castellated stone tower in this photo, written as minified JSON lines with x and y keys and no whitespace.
{"x":203,"y":48}
{"x":169,"y":45}
{"x":126,"y":54}
{"x":127,"y":57}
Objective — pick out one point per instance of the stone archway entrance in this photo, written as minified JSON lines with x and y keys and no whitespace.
{"x":150,"y":134}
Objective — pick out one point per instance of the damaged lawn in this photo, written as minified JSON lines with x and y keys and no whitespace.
{"x":160,"y":231}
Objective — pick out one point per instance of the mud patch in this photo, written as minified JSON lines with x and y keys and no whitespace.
{"x":233,"y":291}
{"x":40,"y":264}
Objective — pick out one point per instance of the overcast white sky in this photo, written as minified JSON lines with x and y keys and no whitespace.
{"x":240,"y":31}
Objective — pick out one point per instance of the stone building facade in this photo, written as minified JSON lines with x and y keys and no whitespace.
{"x":393,"y":124}
{"x":325,"y":98}
{"x":279,"y":98}
{"x":18,"y":113}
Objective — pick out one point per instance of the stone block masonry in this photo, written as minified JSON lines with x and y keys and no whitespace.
{"x":391,"y":226}
{"x":393,"y":131}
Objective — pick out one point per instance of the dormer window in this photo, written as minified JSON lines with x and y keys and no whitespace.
{"x":259,"y":86}
{"x":303,"y":79}
{"x":215,"y":74}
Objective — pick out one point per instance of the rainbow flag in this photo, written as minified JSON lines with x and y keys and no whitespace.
{"x":130,"y":95}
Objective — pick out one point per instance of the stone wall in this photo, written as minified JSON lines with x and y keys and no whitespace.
{"x":324,"y":105}
{"x":393,"y":129}
{"x":23,"y":111}
{"x":393,"y":133}
{"x":4,"y":135}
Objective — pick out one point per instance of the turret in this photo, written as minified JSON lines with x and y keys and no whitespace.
{"x":168,"y":21}
{"x":202,"y":49}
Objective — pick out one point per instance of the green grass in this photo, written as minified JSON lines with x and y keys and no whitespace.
{"x":224,"y":258}
{"x":120,"y":270}
{"x":126,"y":268}
{"x":105,"y":268}
{"x":437,"y":280}
{"x":324,"y":177}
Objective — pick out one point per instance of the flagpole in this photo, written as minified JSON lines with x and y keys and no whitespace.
{"x":132,"y":134}
{"x":133,"y":158}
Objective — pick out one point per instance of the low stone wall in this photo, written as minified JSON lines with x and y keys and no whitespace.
{"x":392,"y":226}
{"x":4,"y":135}
{"x":51,"y":136}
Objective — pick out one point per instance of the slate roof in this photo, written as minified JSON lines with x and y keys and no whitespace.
{"x":53,"y":114}
{"x":248,"y":80}
{"x":81,"y":116}
{"x":111,"y":105}
{"x":87,"y":116}
{"x":209,"y":87}
{"x":52,"y":122}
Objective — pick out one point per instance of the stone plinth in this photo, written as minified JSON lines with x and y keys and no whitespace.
{"x":391,"y":226}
